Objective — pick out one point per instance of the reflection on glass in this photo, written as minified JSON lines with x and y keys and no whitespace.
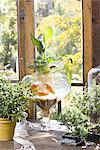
{"x":8,"y":38}
{"x":65,"y":18}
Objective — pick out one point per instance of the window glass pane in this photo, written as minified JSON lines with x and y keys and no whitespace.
{"x":65,"y":18}
{"x":8,"y":38}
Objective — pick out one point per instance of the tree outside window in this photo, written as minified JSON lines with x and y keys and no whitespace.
{"x":8,"y":38}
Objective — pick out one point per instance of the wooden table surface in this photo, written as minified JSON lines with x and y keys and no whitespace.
{"x":42,"y":141}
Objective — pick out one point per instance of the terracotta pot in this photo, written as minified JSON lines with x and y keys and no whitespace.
{"x":7,"y":128}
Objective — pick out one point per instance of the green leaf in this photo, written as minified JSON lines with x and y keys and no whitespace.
{"x":37,"y":43}
{"x":47,"y":34}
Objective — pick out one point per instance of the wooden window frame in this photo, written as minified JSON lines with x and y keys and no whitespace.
{"x":87,"y":38}
{"x":26,"y":51}
{"x":25,"y":24}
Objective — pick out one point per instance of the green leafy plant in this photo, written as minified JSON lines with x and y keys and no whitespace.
{"x":40,"y":63}
{"x":88,"y":102}
{"x":76,"y":122}
{"x":82,"y":115}
{"x":43,"y":62}
{"x":13,"y":99}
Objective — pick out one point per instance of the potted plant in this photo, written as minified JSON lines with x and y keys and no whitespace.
{"x":76,"y":123}
{"x":88,"y":102}
{"x":13,"y":102}
{"x":82,"y":116}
